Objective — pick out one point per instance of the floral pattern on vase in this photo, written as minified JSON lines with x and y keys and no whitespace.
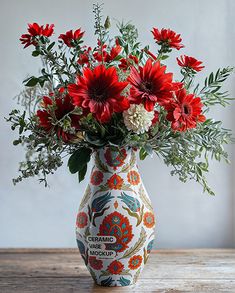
{"x":115,"y":222}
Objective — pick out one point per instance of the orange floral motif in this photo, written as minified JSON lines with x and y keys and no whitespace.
{"x":117,"y":225}
{"x":115,"y":182}
{"x":82,"y":220}
{"x":115,"y":267}
{"x":149,"y":220}
{"x":115,"y":204}
{"x":133,"y":177}
{"x":135,"y":262}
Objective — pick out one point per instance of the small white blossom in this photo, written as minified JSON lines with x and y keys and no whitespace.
{"x":137,"y":119}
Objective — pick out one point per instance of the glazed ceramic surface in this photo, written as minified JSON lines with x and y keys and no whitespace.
{"x":115,"y":221}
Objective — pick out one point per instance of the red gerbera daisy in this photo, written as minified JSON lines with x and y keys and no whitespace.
{"x":185,"y":111}
{"x":70,"y":38}
{"x":58,"y":108}
{"x":167,"y":38}
{"x":100,"y":91}
{"x":190,"y":63}
{"x":150,"y":85}
{"x":35,"y":30}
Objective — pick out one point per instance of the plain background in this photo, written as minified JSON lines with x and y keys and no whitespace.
{"x":32,"y":216}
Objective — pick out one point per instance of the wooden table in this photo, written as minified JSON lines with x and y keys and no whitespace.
{"x":62,"y":270}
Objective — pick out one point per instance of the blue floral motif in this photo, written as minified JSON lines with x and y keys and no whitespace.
{"x":132,"y":202}
{"x":150,"y":246}
{"x":124,"y":282}
{"x":99,"y":202}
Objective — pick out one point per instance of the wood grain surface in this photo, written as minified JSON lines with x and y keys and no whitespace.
{"x":62,"y":270}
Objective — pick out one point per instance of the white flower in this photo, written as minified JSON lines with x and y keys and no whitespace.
{"x":137,"y":119}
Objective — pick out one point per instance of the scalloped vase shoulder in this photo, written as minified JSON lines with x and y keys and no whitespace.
{"x":115,"y":221}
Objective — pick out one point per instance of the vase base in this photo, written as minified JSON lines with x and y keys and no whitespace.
{"x":114,"y":284}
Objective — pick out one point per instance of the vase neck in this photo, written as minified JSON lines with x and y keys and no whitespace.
{"x":113,"y":158}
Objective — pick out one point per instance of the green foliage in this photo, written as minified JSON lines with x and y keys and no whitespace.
{"x":211,"y":93}
{"x":187,"y":153}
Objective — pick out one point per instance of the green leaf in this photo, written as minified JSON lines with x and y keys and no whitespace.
{"x":17,"y":141}
{"x":50,"y":46}
{"x":164,"y":57}
{"x":35,"y":53}
{"x":78,"y":160}
{"x":142,"y":154}
{"x":32,"y":81}
{"x":82,"y":173}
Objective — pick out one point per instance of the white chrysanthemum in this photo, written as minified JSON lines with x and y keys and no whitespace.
{"x":137,"y":119}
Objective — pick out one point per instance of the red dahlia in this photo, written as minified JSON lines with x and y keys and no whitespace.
{"x":190,"y":63}
{"x":185,"y":111}
{"x":168,"y":38}
{"x":70,"y":38}
{"x":35,"y":30}
{"x":99,"y":91}
{"x":150,"y":85}
{"x":58,"y":108}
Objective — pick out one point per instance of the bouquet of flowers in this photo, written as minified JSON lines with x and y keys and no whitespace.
{"x":117,"y":93}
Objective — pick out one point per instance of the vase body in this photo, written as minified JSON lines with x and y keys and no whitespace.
{"x":115,"y":221}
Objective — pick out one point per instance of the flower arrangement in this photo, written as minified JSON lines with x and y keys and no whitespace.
{"x":118,"y":93}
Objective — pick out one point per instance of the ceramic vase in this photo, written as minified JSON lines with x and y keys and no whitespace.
{"x":115,"y":222}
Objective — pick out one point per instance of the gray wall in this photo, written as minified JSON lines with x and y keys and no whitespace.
{"x":32,"y":216}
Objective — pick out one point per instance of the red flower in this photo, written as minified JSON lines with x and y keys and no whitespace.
{"x":70,"y":38}
{"x":190,"y":62}
{"x":35,"y":30}
{"x":116,"y":267}
{"x":97,"y":177}
{"x":105,"y":56}
{"x":95,"y":263}
{"x":82,"y":220}
{"x":115,"y":182}
{"x":117,"y":225}
{"x":151,"y":55}
{"x":149,"y":220}
{"x":99,"y":91}
{"x":58,"y":108}
{"x":155,"y":118}
{"x":168,"y":38}
{"x":84,"y":57}
{"x":126,"y":63}
{"x":150,"y":85}
{"x":135,"y":262}
{"x":185,"y":111}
